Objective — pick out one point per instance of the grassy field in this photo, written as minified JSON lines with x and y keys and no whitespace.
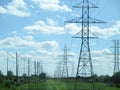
{"x":56,"y":84}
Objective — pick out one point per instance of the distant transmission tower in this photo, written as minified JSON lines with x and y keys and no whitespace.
{"x":65,"y":66}
{"x":85,"y":67}
{"x":38,"y":68}
{"x":35,"y":68}
{"x":28,"y":74}
{"x":17,"y":68}
{"x":7,"y":65}
{"x":72,"y":70}
{"x":116,"y":56}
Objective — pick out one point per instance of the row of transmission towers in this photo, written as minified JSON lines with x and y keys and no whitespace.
{"x":62,"y":70}
{"x":38,"y":69}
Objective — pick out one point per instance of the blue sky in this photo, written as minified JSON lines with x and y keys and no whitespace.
{"x":35,"y":28}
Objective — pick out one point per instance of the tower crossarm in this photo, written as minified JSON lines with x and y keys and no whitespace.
{"x":79,"y":20}
{"x":82,"y":5}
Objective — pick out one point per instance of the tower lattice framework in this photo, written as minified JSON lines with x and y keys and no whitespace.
{"x":116,"y":56}
{"x":65,"y":64}
{"x":85,"y":67}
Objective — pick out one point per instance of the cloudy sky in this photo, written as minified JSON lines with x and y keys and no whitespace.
{"x":36,"y":30}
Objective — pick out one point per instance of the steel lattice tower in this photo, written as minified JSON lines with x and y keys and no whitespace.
{"x":28,"y":74}
{"x":17,"y":65}
{"x":116,"y":56}
{"x":65,"y":66}
{"x":85,"y":67}
{"x":7,"y":64}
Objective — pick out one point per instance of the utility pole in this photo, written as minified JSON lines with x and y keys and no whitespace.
{"x":85,"y":67}
{"x":116,"y":56}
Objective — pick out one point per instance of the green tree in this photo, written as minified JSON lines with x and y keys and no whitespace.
{"x":1,"y":77}
{"x":42,"y":76}
{"x":107,"y":79}
{"x":116,"y":79}
{"x":10,"y":75}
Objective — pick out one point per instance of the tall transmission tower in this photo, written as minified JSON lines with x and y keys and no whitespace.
{"x":116,"y":56}
{"x":65,"y":66}
{"x":85,"y":67}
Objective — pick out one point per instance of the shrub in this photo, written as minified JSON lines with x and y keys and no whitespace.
{"x":116,"y":79}
{"x":7,"y":84}
{"x":13,"y":88}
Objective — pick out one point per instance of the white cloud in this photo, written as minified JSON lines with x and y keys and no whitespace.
{"x":101,"y":52}
{"x":51,"y":27}
{"x":29,"y":37}
{"x":102,"y":61}
{"x":105,"y":32}
{"x":48,"y":27}
{"x":52,"y":5}
{"x":17,"y":8}
{"x":72,"y":28}
{"x":18,"y":42}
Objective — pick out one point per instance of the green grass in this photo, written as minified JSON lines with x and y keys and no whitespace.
{"x":56,"y":84}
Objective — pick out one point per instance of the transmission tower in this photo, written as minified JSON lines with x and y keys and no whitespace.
{"x":38,"y":73}
{"x":85,"y":67}
{"x":38,"y":68}
{"x":72,"y":70}
{"x":16,"y":68}
{"x":41,"y":68}
{"x":28,"y":74}
{"x":59,"y":70}
{"x":65,"y":66}
{"x":35,"y":68}
{"x":116,"y":56}
{"x":24,"y":66}
{"x":35,"y":72}
{"x":7,"y":65}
